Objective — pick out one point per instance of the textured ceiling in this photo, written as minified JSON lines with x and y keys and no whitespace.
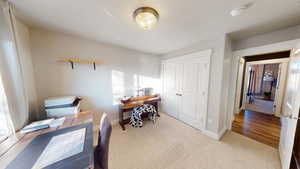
{"x":181,"y":24}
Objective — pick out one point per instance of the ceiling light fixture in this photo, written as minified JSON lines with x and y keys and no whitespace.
{"x":238,"y":11}
{"x":146,"y":17}
{"x":297,"y":51}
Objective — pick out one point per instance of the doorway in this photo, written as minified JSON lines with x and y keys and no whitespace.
{"x":261,"y":88}
{"x":261,"y":84}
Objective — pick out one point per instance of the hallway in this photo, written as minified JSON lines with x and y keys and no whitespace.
{"x":258,"y":126}
{"x":260,"y":105}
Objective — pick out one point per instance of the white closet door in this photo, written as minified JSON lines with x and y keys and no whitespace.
{"x":170,"y":88}
{"x":193,"y":95}
{"x":185,"y":86}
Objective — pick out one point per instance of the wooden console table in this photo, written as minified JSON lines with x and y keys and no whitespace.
{"x":130,"y":104}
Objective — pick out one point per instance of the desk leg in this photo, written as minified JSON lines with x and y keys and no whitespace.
{"x":156,"y":107}
{"x":121,"y":119}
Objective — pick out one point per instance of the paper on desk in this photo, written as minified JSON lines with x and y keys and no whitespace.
{"x":57,"y":122}
{"x":61,"y":147}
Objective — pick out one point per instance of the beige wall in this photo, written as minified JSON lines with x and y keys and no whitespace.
{"x":281,"y":35}
{"x":226,"y":84}
{"x":118,"y":71}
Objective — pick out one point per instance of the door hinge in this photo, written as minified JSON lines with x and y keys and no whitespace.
{"x":177,"y":94}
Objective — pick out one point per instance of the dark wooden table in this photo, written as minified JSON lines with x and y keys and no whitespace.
{"x":18,"y":144}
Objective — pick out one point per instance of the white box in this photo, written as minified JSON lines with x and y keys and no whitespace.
{"x":62,"y":106}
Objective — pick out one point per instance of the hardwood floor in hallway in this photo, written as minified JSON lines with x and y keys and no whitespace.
{"x":261,"y":127}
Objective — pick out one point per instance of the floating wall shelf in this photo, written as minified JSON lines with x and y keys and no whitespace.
{"x":72,"y":61}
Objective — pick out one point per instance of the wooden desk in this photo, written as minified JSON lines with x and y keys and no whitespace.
{"x":12,"y":146}
{"x":134,"y":102}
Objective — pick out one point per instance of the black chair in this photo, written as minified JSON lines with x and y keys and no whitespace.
{"x":102,"y":148}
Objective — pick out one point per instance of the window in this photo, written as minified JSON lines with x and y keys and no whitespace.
{"x":117,"y":86}
{"x":141,"y":81}
{"x":122,"y":87}
{"x":5,"y":122}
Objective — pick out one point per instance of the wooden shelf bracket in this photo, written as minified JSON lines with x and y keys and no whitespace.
{"x":72,"y":61}
{"x":72,"y":64}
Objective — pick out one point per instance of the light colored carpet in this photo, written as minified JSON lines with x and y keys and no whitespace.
{"x":170,"y":144}
{"x":262,"y":106}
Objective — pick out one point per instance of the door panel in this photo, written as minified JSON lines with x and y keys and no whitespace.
{"x":179,"y":77}
{"x":190,"y":77}
{"x":188,"y":110}
{"x":170,"y":87}
{"x":193,"y":99}
{"x":290,"y":111}
{"x":239,"y":87}
{"x":280,"y":88}
{"x":246,"y":86}
{"x":185,"y":88}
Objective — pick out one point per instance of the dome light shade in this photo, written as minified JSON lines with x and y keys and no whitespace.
{"x":146,"y":17}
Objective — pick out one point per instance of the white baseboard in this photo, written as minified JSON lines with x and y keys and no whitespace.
{"x":221,"y":133}
{"x":210,"y":134}
{"x":216,"y":136}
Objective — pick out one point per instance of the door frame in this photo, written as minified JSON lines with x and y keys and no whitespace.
{"x":239,"y":85}
{"x":237,"y":55}
{"x":291,"y":112}
{"x":246,"y":77}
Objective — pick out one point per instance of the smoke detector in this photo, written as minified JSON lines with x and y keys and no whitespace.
{"x":238,"y":11}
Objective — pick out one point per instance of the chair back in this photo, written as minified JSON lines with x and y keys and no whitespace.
{"x":102,"y":148}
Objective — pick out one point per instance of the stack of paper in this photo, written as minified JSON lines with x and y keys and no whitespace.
{"x":37,"y":125}
{"x":57,"y":122}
